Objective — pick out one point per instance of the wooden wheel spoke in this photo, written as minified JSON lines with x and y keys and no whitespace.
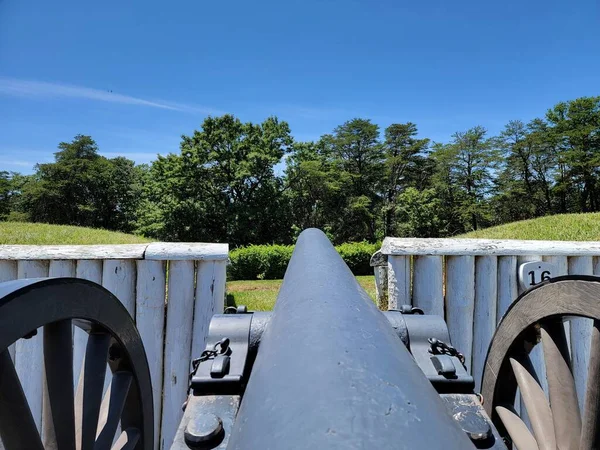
{"x":58,"y":364}
{"x":536,"y":403}
{"x":128,"y":439}
{"x":590,"y":438}
{"x":561,"y":386}
{"x":112,"y":408}
{"x":90,"y":389}
{"x":16,"y":421}
{"x":518,"y":431}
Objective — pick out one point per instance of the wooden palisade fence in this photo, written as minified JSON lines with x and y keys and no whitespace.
{"x":170,"y":289}
{"x":472,"y":282}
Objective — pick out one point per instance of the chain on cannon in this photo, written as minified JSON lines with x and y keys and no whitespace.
{"x":324,"y":369}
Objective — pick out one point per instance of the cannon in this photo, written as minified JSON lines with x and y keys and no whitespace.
{"x":324,"y":369}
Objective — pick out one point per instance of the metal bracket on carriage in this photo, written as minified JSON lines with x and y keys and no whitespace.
{"x":231,"y":347}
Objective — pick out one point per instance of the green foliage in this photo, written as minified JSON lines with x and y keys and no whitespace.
{"x":82,"y":188}
{"x":269,"y":262}
{"x":418,"y":214}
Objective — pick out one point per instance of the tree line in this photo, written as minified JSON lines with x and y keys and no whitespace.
{"x":252,"y":183}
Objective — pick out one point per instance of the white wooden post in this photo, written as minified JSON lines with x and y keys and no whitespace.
{"x":581,"y":331}
{"x":398,"y":281}
{"x":460,"y":303}
{"x":29,"y":352}
{"x":87,"y":269}
{"x":210,"y":300}
{"x":507,"y":284}
{"x":484,"y":317}
{"x":428,"y":285}
{"x":8,"y":272}
{"x":118,"y":276}
{"x":150,"y":320}
{"x":178,"y":343}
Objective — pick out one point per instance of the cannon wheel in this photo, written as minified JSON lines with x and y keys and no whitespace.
{"x":80,"y":418}
{"x":537,"y":317}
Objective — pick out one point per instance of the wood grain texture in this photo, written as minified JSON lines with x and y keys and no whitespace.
{"x":210,"y":300}
{"x":428,"y":285}
{"x":484,"y":316}
{"x":91,"y":270}
{"x":460,"y":303}
{"x":581,"y":331}
{"x":178,"y":344}
{"x":196,"y":251}
{"x":150,"y":320}
{"x":119,"y":277}
{"x":482,"y":247}
{"x":48,"y":252}
{"x":29,"y":352}
{"x":507,"y":284}
{"x":398,"y":281}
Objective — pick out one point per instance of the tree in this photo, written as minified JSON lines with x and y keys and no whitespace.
{"x":404,"y":164}
{"x":576,"y":124}
{"x":357,"y":155}
{"x":222,"y":186}
{"x":5,"y":194}
{"x":82,"y":188}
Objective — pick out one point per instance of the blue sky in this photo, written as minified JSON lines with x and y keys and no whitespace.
{"x":137,"y":75}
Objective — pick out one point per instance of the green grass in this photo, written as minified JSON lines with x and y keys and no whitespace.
{"x":44,"y":234}
{"x":561,"y":227}
{"x":260,"y":295}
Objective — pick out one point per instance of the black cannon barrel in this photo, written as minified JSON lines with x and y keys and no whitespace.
{"x":330,"y":372}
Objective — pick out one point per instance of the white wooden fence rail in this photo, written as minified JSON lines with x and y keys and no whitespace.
{"x":170,"y":289}
{"x":472,"y":282}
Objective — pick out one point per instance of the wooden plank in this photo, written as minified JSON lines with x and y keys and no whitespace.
{"x":484,"y":316}
{"x":562,"y":268}
{"x":87,"y":269}
{"x":460,"y":303}
{"x":507,"y":247}
{"x":29,"y":352}
{"x":210,"y":300}
{"x":62,"y":268}
{"x":581,"y":331}
{"x":8,"y":272}
{"x":507,"y":284}
{"x":48,"y":252}
{"x":398,"y":281}
{"x":178,"y":344}
{"x":150,"y":320}
{"x":57,"y":268}
{"x":198,"y":251}
{"x":428,"y":285}
{"x":118,"y":276}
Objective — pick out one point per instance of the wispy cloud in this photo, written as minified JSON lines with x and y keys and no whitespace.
{"x":16,"y":162}
{"x":42,"y":89}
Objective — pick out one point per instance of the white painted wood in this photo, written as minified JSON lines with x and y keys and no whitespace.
{"x":8,"y":272}
{"x":150,"y":320}
{"x":210,"y":300}
{"x":118,"y":276}
{"x":178,"y":343}
{"x":398,"y":281}
{"x":87,"y":269}
{"x":507,"y":284}
{"x":484,"y":316}
{"x":48,"y":252}
{"x":580,"y":331}
{"x":418,"y":246}
{"x":197,"y":251}
{"x":460,"y":303}
{"x":29,"y":352}
{"x":428,"y":285}
{"x":596,"y":268}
